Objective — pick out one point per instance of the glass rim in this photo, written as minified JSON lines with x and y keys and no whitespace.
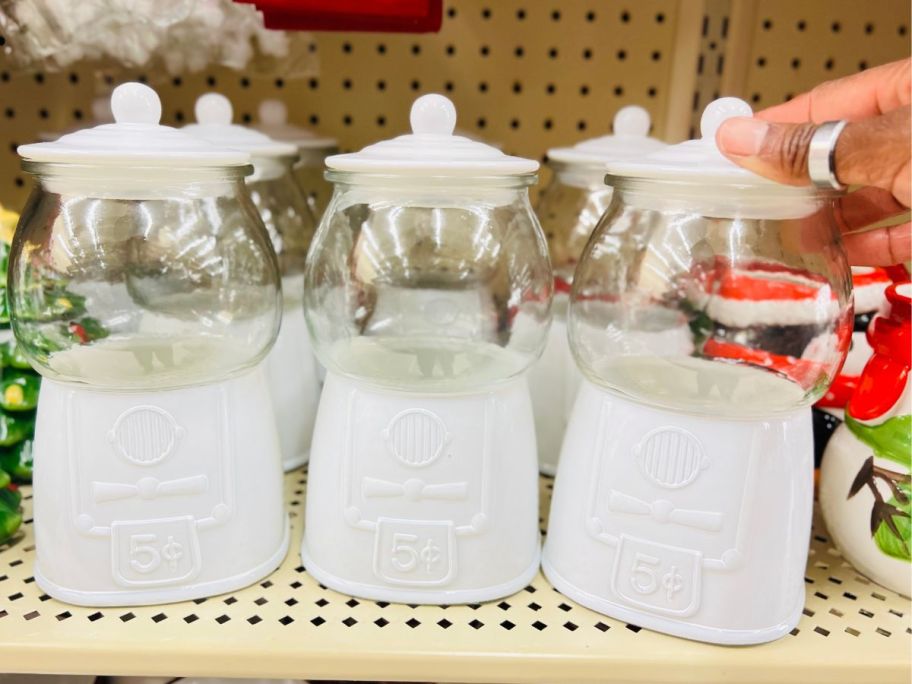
{"x":648,"y":184}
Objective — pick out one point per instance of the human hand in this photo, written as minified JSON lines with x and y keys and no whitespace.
{"x":873,"y":151}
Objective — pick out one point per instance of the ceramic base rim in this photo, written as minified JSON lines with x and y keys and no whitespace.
{"x":438,"y":598}
{"x":725,"y":637}
{"x":111,"y":599}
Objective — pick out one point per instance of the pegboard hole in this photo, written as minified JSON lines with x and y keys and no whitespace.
{"x":485,"y":50}
{"x":660,"y":18}
{"x":519,"y":52}
{"x":481,"y":123}
{"x":450,"y":50}
{"x":584,"y":90}
{"x":587,"y":53}
{"x":347,"y":48}
{"x":625,"y":16}
{"x":622,"y":55}
{"x":416,"y":49}
{"x":381,"y":49}
{"x":449,"y":86}
{"x":486,"y":13}
{"x":869,"y":29}
{"x":555,"y":15}
{"x":796,"y":63}
{"x":656,"y":56}
{"x":835,"y":27}
{"x":801,"y":25}
{"x":483,"y":87}
{"x":451,"y":12}
{"x":549,"y":124}
{"x":381,"y":85}
{"x":552,"y":53}
{"x":550,"y":89}
{"x":767,"y":24}
{"x":520,"y":14}
{"x":416,"y":85}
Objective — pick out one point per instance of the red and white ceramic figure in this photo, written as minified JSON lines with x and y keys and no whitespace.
{"x":865,"y":487}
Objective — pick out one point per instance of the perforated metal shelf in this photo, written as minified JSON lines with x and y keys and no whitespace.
{"x":290,"y":626}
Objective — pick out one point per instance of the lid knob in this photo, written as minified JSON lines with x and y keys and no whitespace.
{"x":718,"y":111}
{"x":273,"y":112}
{"x":213,"y":109}
{"x":135,"y":103}
{"x":433,"y":115}
{"x":631,"y":120}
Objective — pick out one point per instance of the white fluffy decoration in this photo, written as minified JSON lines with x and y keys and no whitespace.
{"x":186,"y":35}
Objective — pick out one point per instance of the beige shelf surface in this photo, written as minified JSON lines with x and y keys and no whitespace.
{"x":289,"y":626}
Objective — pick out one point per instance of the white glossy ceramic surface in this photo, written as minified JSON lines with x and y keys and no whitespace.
{"x":158,"y":496}
{"x":848,"y":518}
{"x":694,"y":526}
{"x":422,"y":498}
{"x":553,"y":384}
{"x":294,"y":387}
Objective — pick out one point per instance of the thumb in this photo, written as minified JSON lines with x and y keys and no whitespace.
{"x":872,"y":152}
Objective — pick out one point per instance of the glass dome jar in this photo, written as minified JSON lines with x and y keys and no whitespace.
{"x":571,"y":205}
{"x":710,"y":308}
{"x":569,"y":209}
{"x":708,"y":288}
{"x":143,"y":287}
{"x":141,"y":262}
{"x":428,"y":295}
{"x":440,"y":285}
{"x":312,"y":151}
{"x":283,"y":207}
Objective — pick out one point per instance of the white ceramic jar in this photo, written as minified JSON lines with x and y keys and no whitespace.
{"x":290,"y":367}
{"x":709,"y":311}
{"x":157,"y":466}
{"x":428,"y":297}
{"x":569,"y":208}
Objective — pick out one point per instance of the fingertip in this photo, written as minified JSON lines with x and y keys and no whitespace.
{"x":741,"y":136}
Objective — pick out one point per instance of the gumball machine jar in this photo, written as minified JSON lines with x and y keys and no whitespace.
{"x":709,"y":311}
{"x":290,"y":367}
{"x":312,"y":152}
{"x":152,"y":412}
{"x":569,"y":208}
{"x":427,"y":296}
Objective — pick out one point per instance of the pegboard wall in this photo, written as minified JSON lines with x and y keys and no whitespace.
{"x":525,"y":74}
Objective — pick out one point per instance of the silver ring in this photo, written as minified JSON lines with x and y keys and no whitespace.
{"x":822,"y":155}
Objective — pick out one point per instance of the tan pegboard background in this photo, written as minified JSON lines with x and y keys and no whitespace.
{"x":525,"y":74}
{"x":792,"y":45}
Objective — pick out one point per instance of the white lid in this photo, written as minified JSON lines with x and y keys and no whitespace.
{"x":431,"y":148}
{"x":134,"y":139}
{"x":697,"y":160}
{"x":273,"y":115}
{"x":213,"y":124}
{"x":630,"y":138}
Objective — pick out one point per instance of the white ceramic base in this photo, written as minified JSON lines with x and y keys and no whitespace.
{"x":848,"y":520}
{"x":422,"y":498}
{"x":159,"y":496}
{"x":693,"y":526}
{"x":553,"y":383}
{"x":184,"y":593}
{"x":294,"y":386}
{"x":375,"y":593}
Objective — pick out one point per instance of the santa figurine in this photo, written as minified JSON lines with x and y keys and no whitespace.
{"x":869,"y":285}
{"x":865,"y":485}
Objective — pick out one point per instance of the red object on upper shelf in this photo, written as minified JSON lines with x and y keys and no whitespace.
{"x":394,"y":16}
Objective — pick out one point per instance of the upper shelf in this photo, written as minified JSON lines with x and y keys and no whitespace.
{"x":289,"y":626}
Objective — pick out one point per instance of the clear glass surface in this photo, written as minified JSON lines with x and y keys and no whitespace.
{"x":309,"y":173}
{"x":154,"y":280}
{"x":569,"y":209}
{"x":428,"y":284}
{"x":723,"y":316}
{"x":289,"y":221}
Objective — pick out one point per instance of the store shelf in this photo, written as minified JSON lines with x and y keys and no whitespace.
{"x":289,"y":626}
